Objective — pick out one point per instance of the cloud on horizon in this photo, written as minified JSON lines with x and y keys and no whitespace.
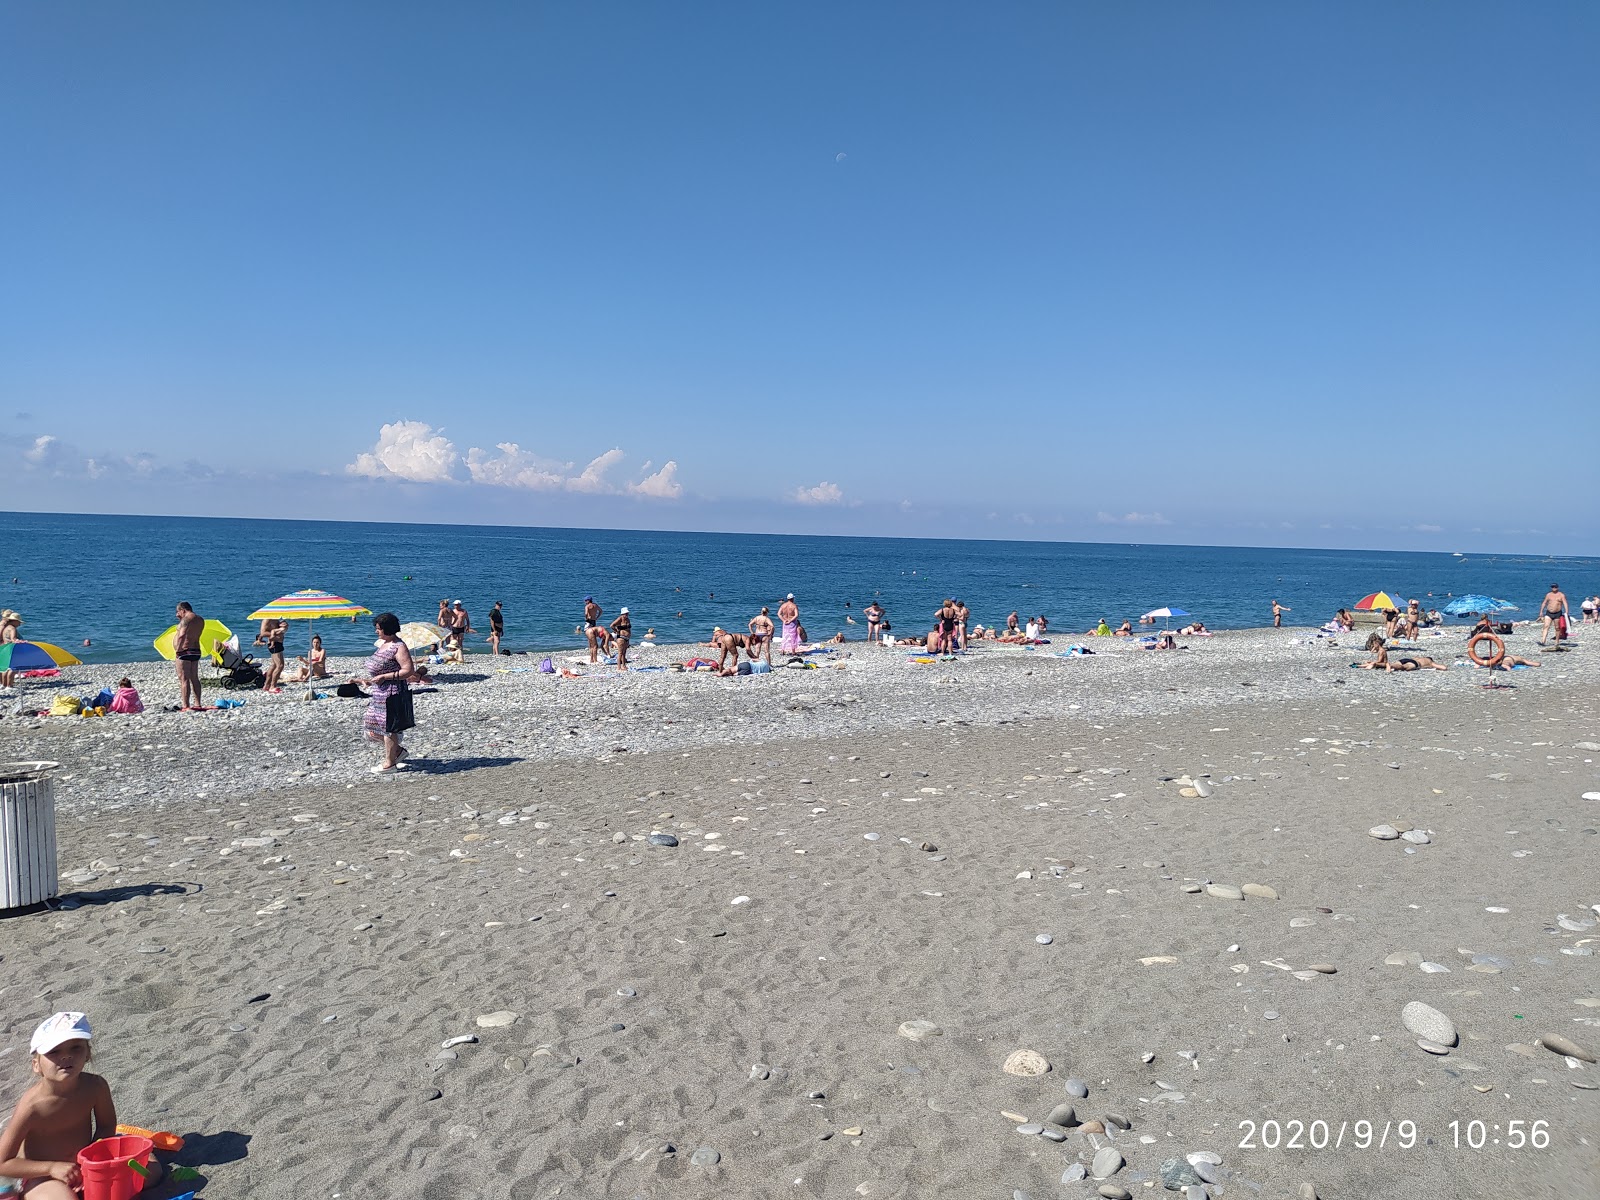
{"x":1133,"y":518}
{"x":416,"y":452}
{"x":822,"y":493}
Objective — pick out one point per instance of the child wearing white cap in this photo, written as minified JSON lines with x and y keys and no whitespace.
{"x":60,"y":1114}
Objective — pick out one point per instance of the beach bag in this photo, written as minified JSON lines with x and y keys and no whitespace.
{"x":350,"y":691}
{"x":66,"y":706}
{"x":547,"y":666}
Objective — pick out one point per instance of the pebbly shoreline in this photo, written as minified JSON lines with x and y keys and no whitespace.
{"x":491,"y":712}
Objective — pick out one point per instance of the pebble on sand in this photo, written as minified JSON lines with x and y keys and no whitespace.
{"x":495,"y":1019}
{"x":1261,"y":891}
{"x":1557,"y":1044}
{"x":919,"y":1031}
{"x":1175,"y":1173}
{"x":662,"y":839}
{"x":1428,"y":1023}
{"x":1063,"y":1115}
{"x":1107,"y":1162}
{"x":705,"y":1157}
{"x":1384,"y":833}
{"x":1077,"y":1087}
{"x":1223,"y":891}
{"x":1026,"y":1063}
{"x":1112,"y":1192}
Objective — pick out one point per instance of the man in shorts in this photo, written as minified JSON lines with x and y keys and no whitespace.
{"x":1554,"y":614}
{"x":186,"y":654}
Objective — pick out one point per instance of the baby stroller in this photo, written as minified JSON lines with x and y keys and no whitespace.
{"x":238,"y":670}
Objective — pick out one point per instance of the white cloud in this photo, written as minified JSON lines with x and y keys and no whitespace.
{"x":592,"y":478}
{"x":663,"y":485}
{"x":515,"y":467}
{"x":416,"y":451}
{"x":409,"y":450}
{"x":43,"y":448}
{"x":823,"y":493}
{"x":1133,"y":518}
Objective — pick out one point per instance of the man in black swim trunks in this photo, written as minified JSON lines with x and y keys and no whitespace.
{"x":1554,"y":615}
{"x":592,"y":629}
{"x":186,"y":654}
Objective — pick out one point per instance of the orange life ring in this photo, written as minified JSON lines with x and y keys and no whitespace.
{"x":1495,"y":658}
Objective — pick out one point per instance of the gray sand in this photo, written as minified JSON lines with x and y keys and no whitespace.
{"x":775,"y":952}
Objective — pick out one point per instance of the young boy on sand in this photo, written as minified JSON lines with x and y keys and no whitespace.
{"x":60,"y":1114}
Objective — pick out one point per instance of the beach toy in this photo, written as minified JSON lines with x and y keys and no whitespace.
{"x":106,"y":1173}
{"x":183,"y":1174}
{"x":170,"y":1142}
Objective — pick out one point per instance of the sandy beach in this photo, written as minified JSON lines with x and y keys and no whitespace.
{"x":887,"y":879}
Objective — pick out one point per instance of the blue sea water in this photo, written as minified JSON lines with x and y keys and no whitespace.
{"x":116,"y":579}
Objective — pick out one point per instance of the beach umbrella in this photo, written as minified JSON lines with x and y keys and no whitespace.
{"x":35,"y":656}
{"x":1166,"y":614}
{"x":1378,"y":600}
{"x":417,"y":634}
{"x":212,"y":634}
{"x":1477,"y":605}
{"x":307,"y":605}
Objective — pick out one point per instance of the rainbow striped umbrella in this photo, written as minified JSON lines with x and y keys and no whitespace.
{"x":35,"y":656}
{"x":308,"y":605}
{"x":1377,"y":600}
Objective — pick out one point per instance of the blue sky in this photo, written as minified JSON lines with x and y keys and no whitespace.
{"x":1230,"y":273}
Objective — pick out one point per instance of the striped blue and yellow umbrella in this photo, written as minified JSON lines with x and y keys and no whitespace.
{"x":308,"y":605}
{"x":35,"y":656}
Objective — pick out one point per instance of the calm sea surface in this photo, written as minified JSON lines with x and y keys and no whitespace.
{"x":115,"y":579}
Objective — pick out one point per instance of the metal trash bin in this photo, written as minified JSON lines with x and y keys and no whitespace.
{"x":27,"y":834}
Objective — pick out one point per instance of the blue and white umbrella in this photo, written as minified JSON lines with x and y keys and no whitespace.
{"x":1477,"y":605}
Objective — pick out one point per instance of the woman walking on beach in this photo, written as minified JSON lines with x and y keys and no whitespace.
{"x":389,"y":712}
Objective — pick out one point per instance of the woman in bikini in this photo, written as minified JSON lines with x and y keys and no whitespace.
{"x":874,"y":614}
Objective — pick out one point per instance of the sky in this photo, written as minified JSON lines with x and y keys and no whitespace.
{"x":1234,"y":273}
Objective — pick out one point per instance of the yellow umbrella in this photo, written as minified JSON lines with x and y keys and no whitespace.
{"x":416,"y":634}
{"x":211,"y":634}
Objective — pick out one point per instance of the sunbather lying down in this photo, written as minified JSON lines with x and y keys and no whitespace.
{"x":1382,"y":662}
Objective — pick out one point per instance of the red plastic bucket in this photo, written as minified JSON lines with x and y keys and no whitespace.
{"x":106,"y":1173}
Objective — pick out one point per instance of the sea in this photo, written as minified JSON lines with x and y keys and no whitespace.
{"x":114,"y":580}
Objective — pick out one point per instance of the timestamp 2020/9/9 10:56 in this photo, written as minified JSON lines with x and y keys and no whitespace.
{"x":1362,"y":1134}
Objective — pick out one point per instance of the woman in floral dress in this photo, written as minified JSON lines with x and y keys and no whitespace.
{"x":389,"y":712}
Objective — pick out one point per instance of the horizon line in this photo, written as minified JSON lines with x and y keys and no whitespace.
{"x":1547,"y":555}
